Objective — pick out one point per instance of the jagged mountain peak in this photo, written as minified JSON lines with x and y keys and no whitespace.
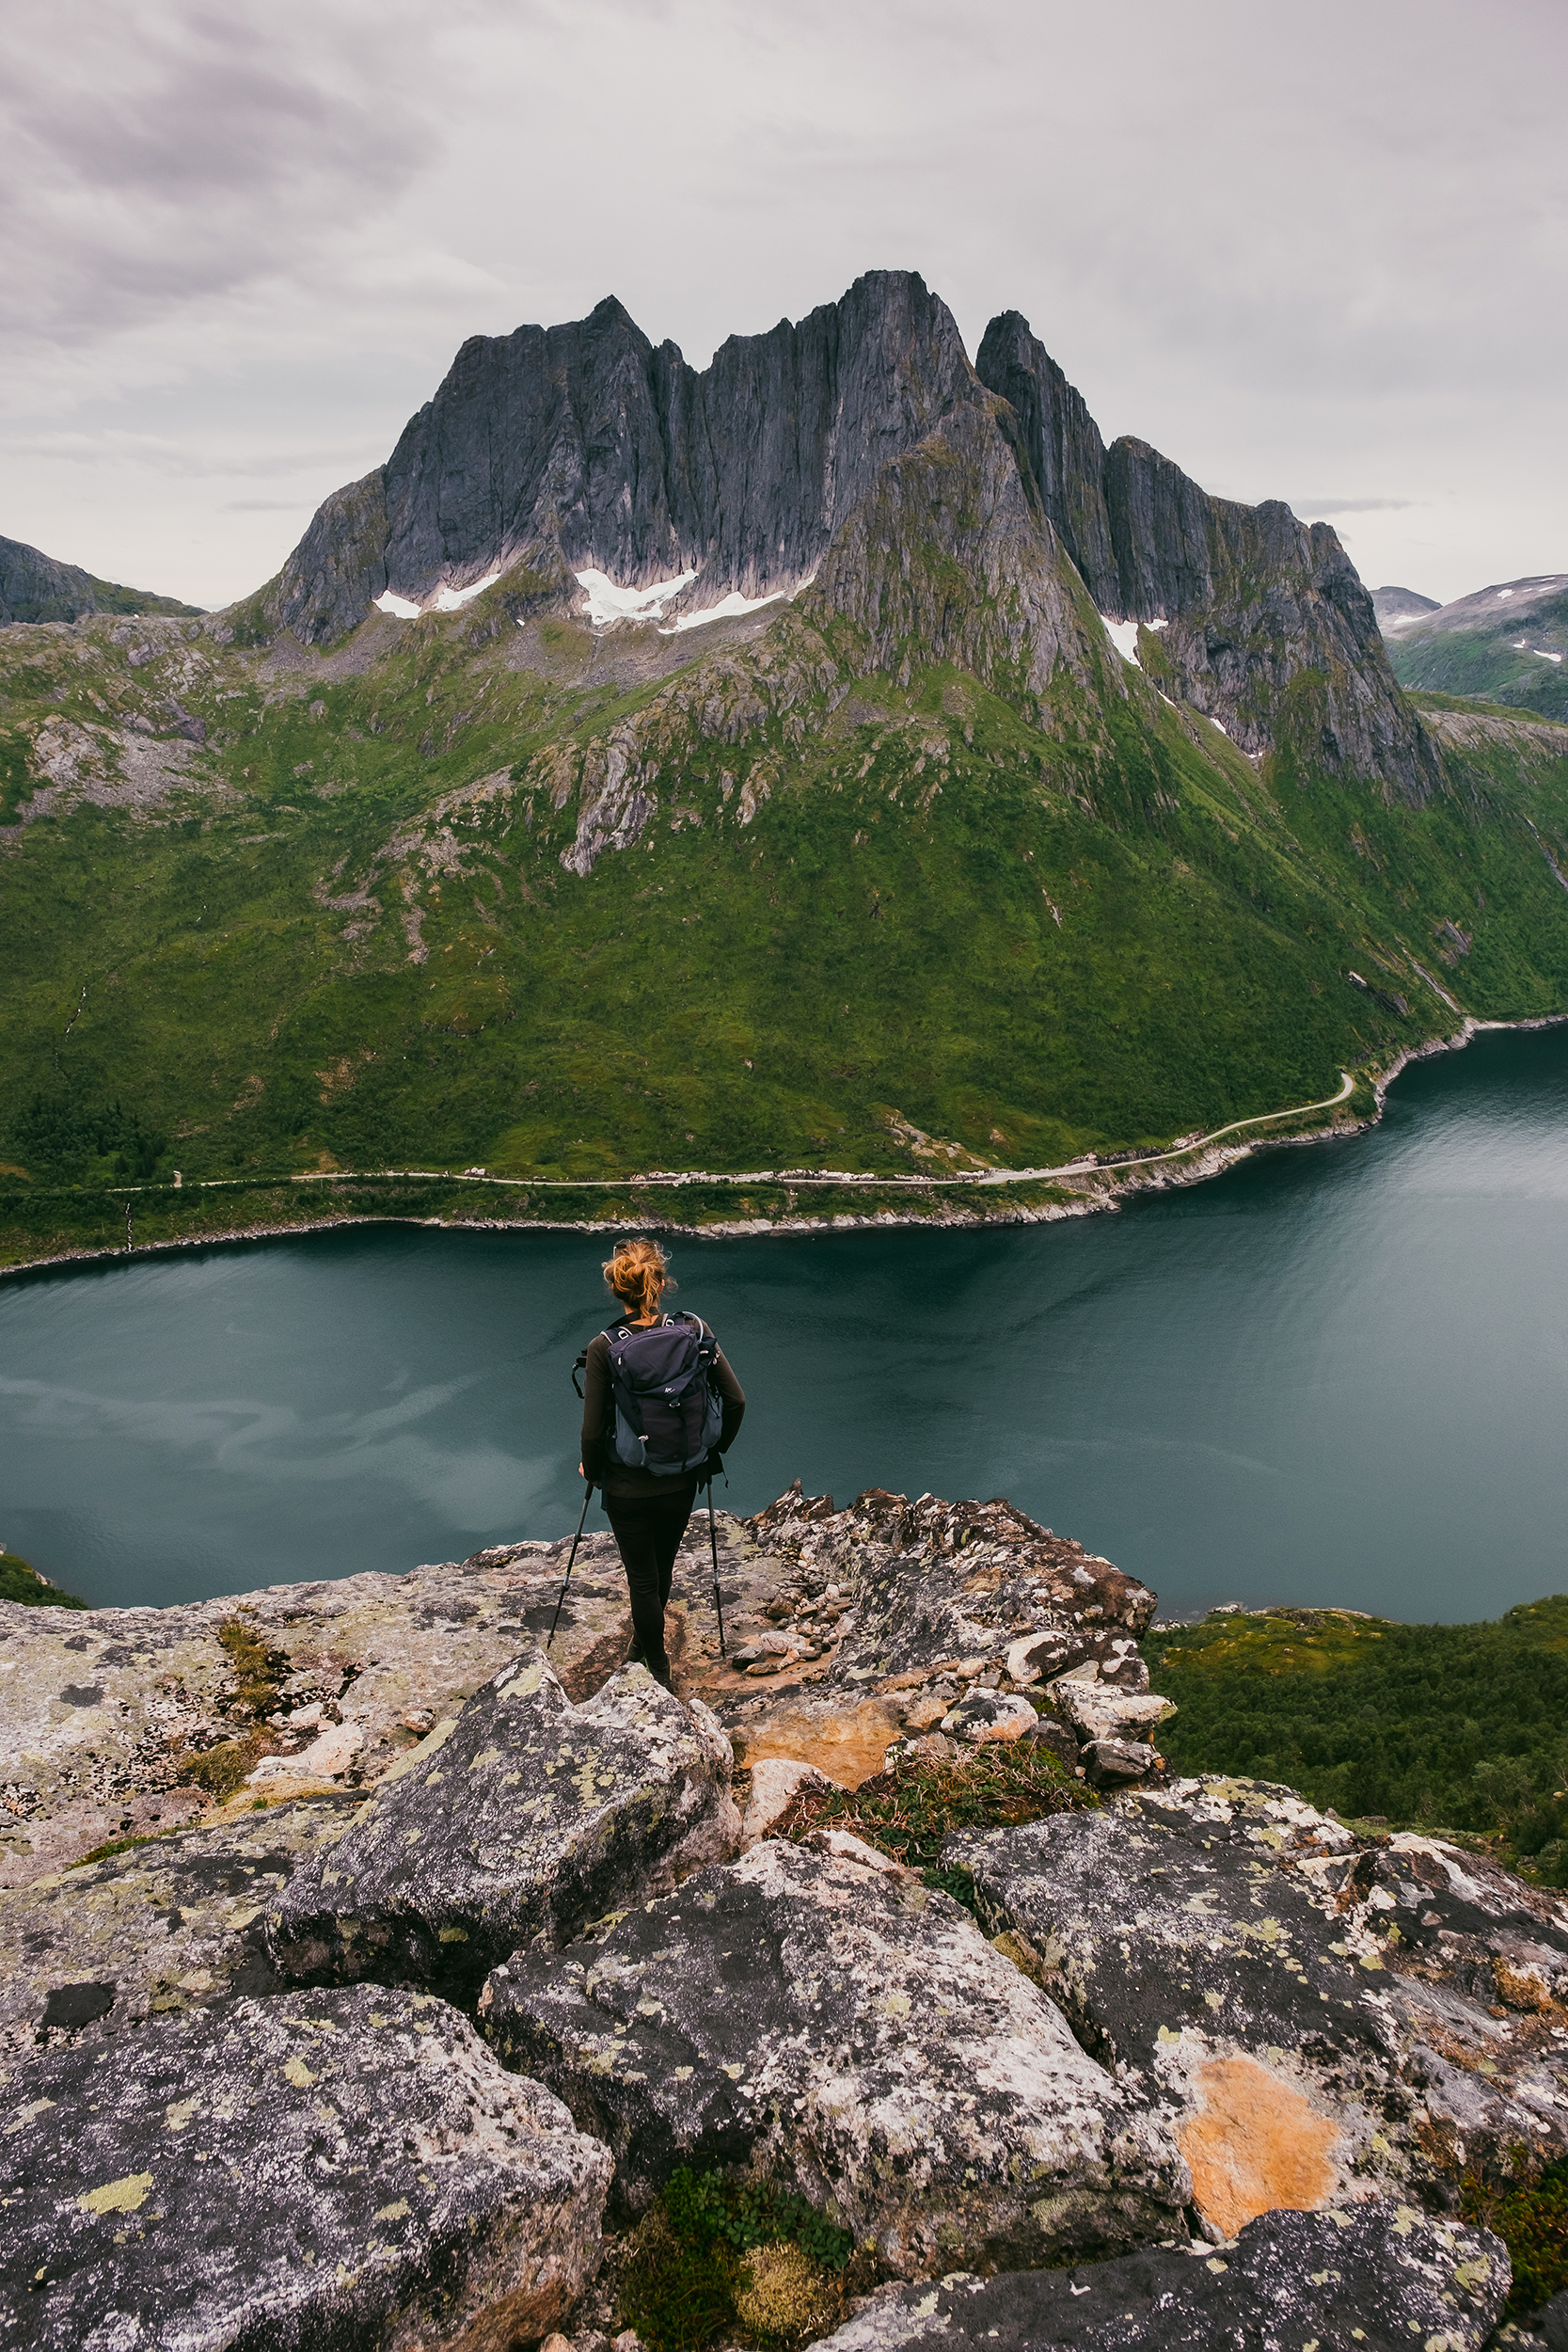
{"x":584,"y":448}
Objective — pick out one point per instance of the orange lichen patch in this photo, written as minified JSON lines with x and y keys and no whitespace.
{"x":1255,"y":2144}
{"x":848,"y":1744}
{"x":1522,"y":1988}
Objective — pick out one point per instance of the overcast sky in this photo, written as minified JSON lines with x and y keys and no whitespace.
{"x":1312,"y":253}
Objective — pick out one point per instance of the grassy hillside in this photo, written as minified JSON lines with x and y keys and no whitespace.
{"x":265,"y":916}
{"x":1460,"y":1727}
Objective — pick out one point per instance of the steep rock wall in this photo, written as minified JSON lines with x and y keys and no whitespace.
{"x":584,"y":444}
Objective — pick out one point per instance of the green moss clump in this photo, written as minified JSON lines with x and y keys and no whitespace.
{"x":260,"y":1672}
{"x":258,"y":1675}
{"x":720,"y":2257}
{"x":910,"y":1811}
{"x":1529,"y":2210}
{"x":19,"y":1582}
{"x":221,"y":1770}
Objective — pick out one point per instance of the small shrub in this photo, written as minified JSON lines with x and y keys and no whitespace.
{"x":785,"y":2298}
{"x":1530,"y":2213}
{"x":724,"y":2257}
{"x":260,"y":1672}
{"x":221,"y":1770}
{"x":910,"y":1811}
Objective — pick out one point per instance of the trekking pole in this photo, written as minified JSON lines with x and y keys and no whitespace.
{"x":713,"y":1540}
{"x":587,"y":1499}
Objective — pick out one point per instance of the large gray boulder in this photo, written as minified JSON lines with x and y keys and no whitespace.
{"x":171,"y":1926}
{"x":102,"y":1711}
{"x":529,"y":1819}
{"x":349,"y":2170}
{"x":1315,"y":2017}
{"x":1365,"y":2278}
{"x":828,"y":2017}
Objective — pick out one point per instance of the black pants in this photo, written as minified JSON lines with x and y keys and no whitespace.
{"x":648,"y":1529}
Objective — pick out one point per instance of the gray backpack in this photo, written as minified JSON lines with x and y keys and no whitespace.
{"x":668,"y":1410}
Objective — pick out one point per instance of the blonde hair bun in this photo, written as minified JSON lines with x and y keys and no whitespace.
{"x":637,"y":1275}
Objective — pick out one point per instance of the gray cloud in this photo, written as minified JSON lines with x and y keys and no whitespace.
{"x":1315,"y":510}
{"x":240,"y":246}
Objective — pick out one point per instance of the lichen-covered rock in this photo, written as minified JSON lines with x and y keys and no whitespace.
{"x":102,"y":1711}
{"x":1107,"y":1711}
{"x":530,"y":1818}
{"x":776,"y":1782}
{"x":1313,"y":2016}
{"x":1365,"y":2278}
{"x":848,"y":2028}
{"x":982,"y":1716}
{"x":911,"y":1599}
{"x":351,"y":2168}
{"x":174,"y":1925}
{"x":1111,"y":1763}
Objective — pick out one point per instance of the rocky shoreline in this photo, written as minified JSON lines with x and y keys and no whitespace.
{"x":372,"y":1973}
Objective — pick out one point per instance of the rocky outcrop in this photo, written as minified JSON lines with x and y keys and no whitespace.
{"x":172,"y":1925}
{"x":889,"y":1614}
{"x":1315,"y":2019}
{"x":350,"y":2168}
{"x":518,"y":1823}
{"x":1376,"y":2276}
{"x":1062,"y":444}
{"x":949,"y":558}
{"x":105,"y":1714}
{"x":1195,"y":2019}
{"x":34,"y":587}
{"x":829,"y":2017}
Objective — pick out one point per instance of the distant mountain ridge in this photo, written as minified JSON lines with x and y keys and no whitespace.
{"x":34,"y":587}
{"x":1504,"y":643}
{"x":1397,"y":606}
{"x":551,"y":451}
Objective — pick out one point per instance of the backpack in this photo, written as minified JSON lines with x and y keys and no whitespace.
{"x":668,"y":1412}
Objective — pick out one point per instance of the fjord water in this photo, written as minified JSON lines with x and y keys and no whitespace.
{"x":1335,"y":1375}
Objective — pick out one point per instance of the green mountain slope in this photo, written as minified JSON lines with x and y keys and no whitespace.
{"x":1048,"y":807}
{"x":273,"y":913}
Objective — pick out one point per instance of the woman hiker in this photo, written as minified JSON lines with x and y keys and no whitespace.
{"x":648,"y":1508}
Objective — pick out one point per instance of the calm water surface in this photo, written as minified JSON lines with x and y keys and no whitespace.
{"x":1337,"y":1374}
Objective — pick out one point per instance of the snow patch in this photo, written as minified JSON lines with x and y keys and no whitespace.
{"x":447,"y":599}
{"x":728,"y":608}
{"x":1502,"y":593}
{"x":1215,"y":722}
{"x":1545,"y":657}
{"x":606,"y":602}
{"x":450,"y":600}
{"x":1124,"y":636}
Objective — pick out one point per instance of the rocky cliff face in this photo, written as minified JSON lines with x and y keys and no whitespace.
{"x":1269,"y":630}
{"x":973,"y":512}
{"x":584,"y":445}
